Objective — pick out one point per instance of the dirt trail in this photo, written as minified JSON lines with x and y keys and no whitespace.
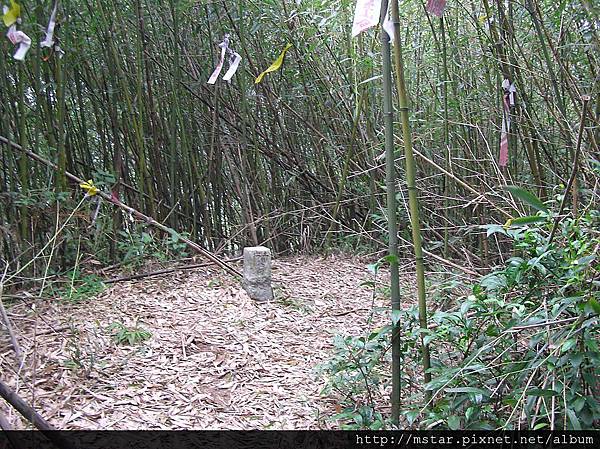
{"x":216,"y":359}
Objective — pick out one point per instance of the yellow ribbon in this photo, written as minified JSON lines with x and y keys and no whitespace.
{"x":89,"y":187}
{"x":275,"y":66}
{"x":14,"y":12}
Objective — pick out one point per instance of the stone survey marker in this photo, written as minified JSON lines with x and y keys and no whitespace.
{"x":257,"y":273}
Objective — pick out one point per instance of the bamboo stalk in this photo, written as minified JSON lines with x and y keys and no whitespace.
{"x":131,"y":210}
{"x":33,"y":417}
{"x":390,"y":185}
{"x":413,"y":197}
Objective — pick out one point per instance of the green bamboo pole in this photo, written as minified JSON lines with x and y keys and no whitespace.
{"x":447,"y":158}
{"x":390,"y":184}
{"x":413,"y":197}
{"x":23,"y":163}
{"x":61,"y":180}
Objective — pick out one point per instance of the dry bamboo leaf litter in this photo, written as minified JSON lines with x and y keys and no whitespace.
{"x":215,"y":360}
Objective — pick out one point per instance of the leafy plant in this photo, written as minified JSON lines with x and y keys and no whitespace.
{"x":357,"y":374}
{"x":128,"y":335}
{"x":522,"y":349}
{"x":519,"y":350}
{"x":84,"y":287}
{"x":83,"y":352}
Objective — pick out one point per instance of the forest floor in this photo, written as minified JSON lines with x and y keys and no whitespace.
{"x":215,"y":358}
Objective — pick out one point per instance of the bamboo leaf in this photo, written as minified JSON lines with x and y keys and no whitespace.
{"x":527,"y":198}
{"x":521,"y":221}
{"x":468,"y":390}
{"x":573,"y":419}
{"x":540,"y":392}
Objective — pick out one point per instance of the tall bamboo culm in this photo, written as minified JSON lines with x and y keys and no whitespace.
{"x":413,"y":197}
{"x":390,"y":184}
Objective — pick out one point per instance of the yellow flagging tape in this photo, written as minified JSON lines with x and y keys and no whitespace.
{"x":275,"y":66}
{"x":11,"y":14}
{"x":89,"y":187}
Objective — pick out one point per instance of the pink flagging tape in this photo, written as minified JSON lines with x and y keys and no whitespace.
{"x":503,"y":161}
{"x":508,"y":100}
{"x":436,"y":7}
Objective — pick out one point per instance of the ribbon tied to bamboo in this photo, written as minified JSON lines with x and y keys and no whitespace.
{"x":508,"y":101}
{"x":51,"y":41}
{"x":275,"y":65}
{"x":436,"y":7}
{"x":366,"y":16}
{"x":234,"y":62}
{"x":12,"y":17}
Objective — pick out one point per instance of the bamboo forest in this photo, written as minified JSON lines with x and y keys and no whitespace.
{"x":358,"y":215}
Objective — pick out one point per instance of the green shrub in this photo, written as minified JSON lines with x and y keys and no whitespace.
{"x":519,"y":351}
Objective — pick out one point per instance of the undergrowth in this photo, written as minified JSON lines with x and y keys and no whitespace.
{"x":518,"y":351}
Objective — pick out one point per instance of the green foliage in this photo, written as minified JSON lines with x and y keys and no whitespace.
{"x":84,"y":287}
{"x":83,"y":352}
{"x":138,"y":244}
{"x":519,"y":350}
{"x":527,"y":198}
{"x":356,"y":373}
{"x":522,"y":348}
{"x":128,"y":335}
{"x":76,"y":287}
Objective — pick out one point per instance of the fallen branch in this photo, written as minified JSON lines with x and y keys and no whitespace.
{"x":137,"y":214}
{"x":4,"y":424}
{"x":9,"y":329}
{"x":165,"y":271}
{"x":32,"y":416}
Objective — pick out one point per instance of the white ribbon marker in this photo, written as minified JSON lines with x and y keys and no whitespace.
{"x":366,"y":15}
{"x":21,"y":39}
{"x":388,"y":26}
{"x":224,"y":45}
{"x":511,"y":89}
{"x":49,"y":41}
{"x":234,"y":62}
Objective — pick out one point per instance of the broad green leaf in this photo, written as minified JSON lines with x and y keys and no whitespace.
{"x":526,"y":220}
{"x":568,"y":344}
{"x":573,"y":419}
{"x":428,"y":339}
{"x":467,"y":390}
{"x":391,"y":259}
{"x":594,"y":305}
{"x":527,"y":198}
{"x":411,"y":416}
{"x":545,"y":393}
{"x":492,"y":282}
{"x":454,"y":422}
{"x":493,"y":229}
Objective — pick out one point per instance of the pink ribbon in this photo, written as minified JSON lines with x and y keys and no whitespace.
{"x":436,"y":7}
{"x":508,"y":100}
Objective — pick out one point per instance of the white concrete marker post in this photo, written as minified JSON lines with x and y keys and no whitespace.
{"x":257,"y":273}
